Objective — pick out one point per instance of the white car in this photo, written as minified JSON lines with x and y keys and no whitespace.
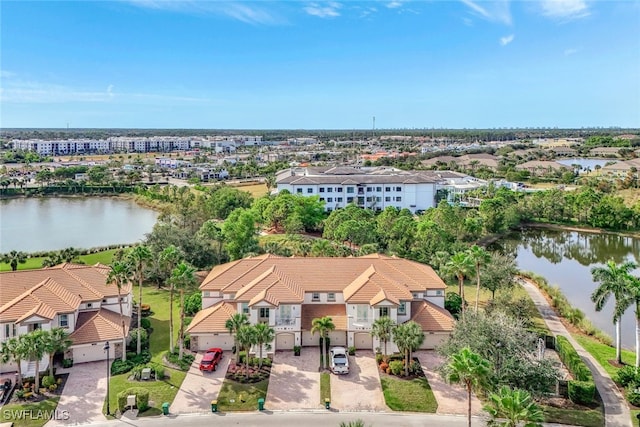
{"x":338,"y":360}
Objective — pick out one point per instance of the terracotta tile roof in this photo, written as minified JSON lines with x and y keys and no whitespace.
{"x":337,"y":312}
{"x":98,"y":325}
{"x":212,"y":319}
{"x":272,"y":285}
{"x":383,"y":296}
{"x":430,"y":317}
{"x":45,"y":299}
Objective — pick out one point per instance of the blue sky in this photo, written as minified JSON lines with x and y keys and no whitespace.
{"x":320,"y":65}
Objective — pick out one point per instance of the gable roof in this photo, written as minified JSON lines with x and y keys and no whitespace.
{"x":99,"y":325}
{"x":337,"y":312}
{"x":212,"y":319}
{"x":45,"y":299}
{"x":430,"y":317}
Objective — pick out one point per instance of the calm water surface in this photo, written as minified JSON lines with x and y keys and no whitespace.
{"x":586,"y":164}
{"x":39,"y":224}
{"x":565,"y":259}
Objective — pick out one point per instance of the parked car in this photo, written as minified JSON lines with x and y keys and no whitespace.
{"x":5,"y":389}
{"x":338,"y":360}
{"x":211,"y":359}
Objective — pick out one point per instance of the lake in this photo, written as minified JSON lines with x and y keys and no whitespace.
{"x":565,"y":258}
{"x":51,"y":223}
{"x":585,"y":164}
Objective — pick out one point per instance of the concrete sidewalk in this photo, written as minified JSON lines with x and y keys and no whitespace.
{"x":616,"y":410}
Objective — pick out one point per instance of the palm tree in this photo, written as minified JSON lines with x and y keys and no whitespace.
{"x":478,"y":256}
{"x":121,"y":274}
{"x":382,"y":329}
{"x":408,"y":337}
{"x":632,"y":297}
{"x":182,"y":277}
{"x":246,"y":337}
{"x":139,"y":258}
{"x":14,"y":258}
{"x":613,"y":280}
{"x":510,"y":408}
{"x":233,"y":324}
{"x":264,"y":335}
{"x":460,"y":265}
{"x":323,"y":325}
{"x":56,"y":341}
{"x":468,"y":368}
{"x":34,"y":349}
{"x":13,"y":350}
{"x":169,"y":258}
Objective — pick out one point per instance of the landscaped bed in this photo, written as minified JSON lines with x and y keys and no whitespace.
{"x":410,"y":393}
{"x":243,"y":386}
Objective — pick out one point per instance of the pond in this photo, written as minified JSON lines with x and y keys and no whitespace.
{"x":585,"y":164}
{"x":565,"y":258}
{"x":51,"y":223}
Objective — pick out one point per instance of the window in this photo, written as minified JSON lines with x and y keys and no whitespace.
{"x":339,"y":199}
{"x":369,"y":198}
{"x":322,"y":189}
{"x":438,"y":292}
{"x":398,"y":188}
{"x":362,"y":313}
{"x":315,"y":296}
{"x":89,"y":305}
{"x":329,"y":209}
{"x":64,"y":320}
{"x":350,"y":190}
{"x":339,"y":189}
{"x":330,"y":190}
{"x":264,"y":312}
{"x":7,"y":330}
{"x":383,"y":311}
{"x":349,"y":199}
{"x":205,"y":294}
{"x":402,"y":308}
{"x":299,"y":190}
{"x":331,"y":296}
{"x":398,"y":199}
{"x":34,"y":327}
{"x":104,"y":301}
{"x":378,"y":199}
{"x":329,"y":199}
{"x":309,"y":190}
{"x":416,"y":295}
{"x":322,"y":199}
{"x":245,"y":308}
{"x":378,"y":188}
{"x":387,"y":188}
{"x":387,"y":198}
{"x":369,"y":189}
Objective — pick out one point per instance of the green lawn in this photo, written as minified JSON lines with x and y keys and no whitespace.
{"x":236,"y":396}
{"x":408,"y":395}
{"x":634,"y":417}
{"x":30,"y":414}
{"x":325,"y":387}
{"x":603,"y":353}
{"x":103,"y":257}
{"x":577,"y":417}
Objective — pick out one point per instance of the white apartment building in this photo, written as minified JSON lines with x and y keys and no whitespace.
{"x":66,"y":146}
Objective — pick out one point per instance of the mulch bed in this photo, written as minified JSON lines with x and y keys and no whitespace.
{"x":412,"y":376}
{"x":238,"y":373}
{"x":43,"y":396}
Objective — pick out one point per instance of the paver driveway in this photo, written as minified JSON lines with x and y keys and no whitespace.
{"x":360,"y":389}
{"x":452,"y":399}
{"x":295,"y":380}
{"x":199,"y":388}
{"x":83,"y":395}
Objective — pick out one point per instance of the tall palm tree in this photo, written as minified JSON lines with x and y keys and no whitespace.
{"x":478,"y":256}
{"x":510,"y":408}
{"x":182,"y":277}
{"x":632,"y":297}
{"x":264,"y":334}
{"x":121,"y":274}
{"x":169,"y":258}
{"x":56,"y":341}
{"x":408,"y":337}
{"x":460,"y":265}
{"x":139,"y":258}
{"x":323,"y":325}
{"x":34,"y":349}
{"x":233,"y":324}
{"x":382,"y":329}
{"x":14,"y":258}
{"x":470,"y":369}
{"x":13,"y":350}
{"x":613,"y":281}
{"x":246,"y":337}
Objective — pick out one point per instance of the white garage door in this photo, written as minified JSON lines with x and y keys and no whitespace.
{"x":223,"y":341}
{"x":432,"y":340}
{"x":285,"y":341}
{"x":338,"y":338}
{"x":91,"y":352}
{"x":363,"y":341}
{"x":309,"y":339}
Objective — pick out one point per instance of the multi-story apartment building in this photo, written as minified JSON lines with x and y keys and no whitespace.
{"x":67,"y":146}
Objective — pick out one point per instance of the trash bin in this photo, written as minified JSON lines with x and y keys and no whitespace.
{"x":165,"y":408}
{"x":327,"y":403}
{"x":214,"y":406}
{"x":261,"y":404}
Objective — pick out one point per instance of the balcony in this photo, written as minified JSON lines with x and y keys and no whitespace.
{"x":359,"y":324}
{"x":286,"y":324}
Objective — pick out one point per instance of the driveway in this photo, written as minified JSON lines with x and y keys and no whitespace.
{"x":83,"y":395}
{"x":360,"y":389}
{"x":295,"y":380}
{"x":452,"y":399}
{"x":199,"y":388}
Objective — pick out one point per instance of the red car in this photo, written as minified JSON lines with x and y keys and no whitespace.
{"x":210,"y":359}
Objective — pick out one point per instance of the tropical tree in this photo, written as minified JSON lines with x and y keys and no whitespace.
{"x":632,"y":297}
{"x":121,"y":274}
{"x":460,"y":265}
{"x":382,"y":329}
{"x":264,"y":334}
{"x":34,"y":349}
{"x":478,"y":256}
{"x":323,"y":325}
{"x":469,"y":369}
{"x":246,"y":337}
{"x":613,"y":281}
{"x":513,"y":408}
{"x":14,"y":258}
{"x":233,"y":324}
{"x":182,"y":277}
{"x":169,"y":258}
{"x":56,"y":341}
{"x":408,"y":337}
{"x":13,"y":350}
{"x":139,"y":258}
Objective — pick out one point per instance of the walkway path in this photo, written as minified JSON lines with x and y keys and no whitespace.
{"x":615,"y":408}
{"x":199,"y":388}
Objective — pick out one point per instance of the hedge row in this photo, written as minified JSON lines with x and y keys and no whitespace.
{"x":582,"y":389}
{"x":142,"y":398}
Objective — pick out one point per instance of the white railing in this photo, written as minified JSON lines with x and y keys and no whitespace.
{"x":287,"y":324}
{"x":285,"y":321}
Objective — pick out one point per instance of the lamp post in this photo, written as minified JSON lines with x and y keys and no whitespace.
{"x":106,"y":349}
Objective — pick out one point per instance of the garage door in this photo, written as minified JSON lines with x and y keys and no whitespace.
{"x":91,"y":353}
{"x":223,"y":341}
{"x":363,"y":341}
{"x":285,"y":341}
{"x":309,"y":339}
{"x":338,"y":338}
{"x":432,"y":340}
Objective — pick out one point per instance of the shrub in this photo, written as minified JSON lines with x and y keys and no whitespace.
{"x":120,"y":367}
{"x":378,"y":358}
{"x":266,"y":362}
{"x":395,"y":356}
{"x":453,"y":303}
{"x":388,"y":371}
{"x":48,"y":381}
{"x":142,"y":398}
{"x":187,"y":341}
{"x":241,"y":355}
{"x":582,"y":392}
{"x":159,"y":371}
{"x":140,"y":359}
{"x":53,"y":387}
{"x":628,"y":375}
{"x":193,"y":304}
{"x":133,"y":335}
{"x":137,"y":372}
{"x":632,"y":394}
{"x":396,"y":367}
{"x":67,"y":363}
{"x":184,"y":364}
{"x":572,"y":360}
{"x":20,"y":393}
{"x":352,"y":351}
{"x":145,"y":323}
{"x":415,"y":367}
{"x":296,"y":350}
{"x":384,"y":366}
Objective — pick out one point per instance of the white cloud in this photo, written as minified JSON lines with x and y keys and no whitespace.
{"x":565,"y":9}
{"x":368,"y":11}
{"x":328,"y":10}
{"x":394,"y":4}
{"x":507,"y":39}
{"x":496,"y":11}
